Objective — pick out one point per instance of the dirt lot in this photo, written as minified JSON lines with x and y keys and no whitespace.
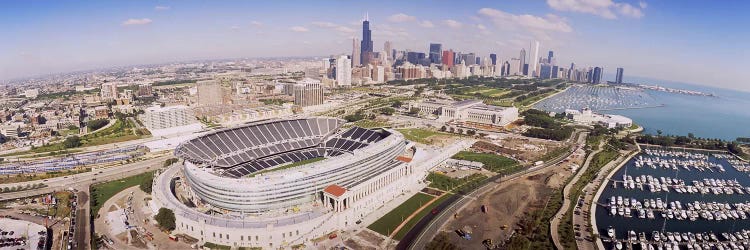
{"x":519,"y":148}
{"x":506,"y":205}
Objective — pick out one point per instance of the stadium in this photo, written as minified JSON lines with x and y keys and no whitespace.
{"x":284,"y":182}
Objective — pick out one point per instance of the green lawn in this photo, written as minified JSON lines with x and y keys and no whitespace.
{"x":419,"y":135}
{"x":367,"y":123}
{"x":492,"y":162}
{"x":299,"y":163}
{"x":216,"y":246}
{"x":395,"y":217}
{"x":446,"y":183}
{"x":101,"y":192}
{"x":409,"y":224}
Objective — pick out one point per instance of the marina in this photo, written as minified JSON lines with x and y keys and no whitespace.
{"x":676,"y":199}
{"x":598,"y":99}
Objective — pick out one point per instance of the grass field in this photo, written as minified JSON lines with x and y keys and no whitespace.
{"x":492,"y":162}
{"x":299,"y":163}
{"x":101,"y":192}
{"x":419,"y":135}
{"x":409,"y":224}
{"x":367,"y":123}
{"x":446,"y":183}
{"x":395,"y":217}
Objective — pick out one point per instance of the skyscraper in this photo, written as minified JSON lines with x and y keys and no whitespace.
{"x":534,"y":59}
{"x":493,"y":58}
{"x":549,"y":57}
{"x":387,"y":47}
{"x":596,"y":77}
{"x":522,"y":57}
{"x":366,"y":46}
{"x":435,"y":50}
{"x":415,"y":57}
{"x":356,"y":52}
{"x":448,"y":58}
{"x":618,"y":77}
{"x":469,"y":59}
{"x":343,"y":71}
{"x":308,"y":92}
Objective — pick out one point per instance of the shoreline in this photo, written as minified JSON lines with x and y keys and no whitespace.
{"x":600,"y":190}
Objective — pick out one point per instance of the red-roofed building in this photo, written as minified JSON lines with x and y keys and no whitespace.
{"x":403,"y":159}
{"x":333,"y":197}
{"x":335,"y":190}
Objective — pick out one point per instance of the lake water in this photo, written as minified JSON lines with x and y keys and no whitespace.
{"x":726,"y":116}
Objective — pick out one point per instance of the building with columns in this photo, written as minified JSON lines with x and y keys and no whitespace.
{"x":467,"y":111}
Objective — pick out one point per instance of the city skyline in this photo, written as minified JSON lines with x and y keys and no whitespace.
{"x":144,"y":33}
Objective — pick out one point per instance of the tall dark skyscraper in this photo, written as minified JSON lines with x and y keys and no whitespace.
{"x":366,"y":44}
{"x":618,"y":77}
{"x":549,"y":57}
{"x":493,"y":58}
{"x":596,"y":78}
{"x":435,"y":53}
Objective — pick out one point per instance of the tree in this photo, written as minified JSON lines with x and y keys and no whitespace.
{"x":397,"y":104}
{"x":471,"y":132}
{"x":387,"y":111}
{"x":659,"y":132}
{"x":413,"y":111}
{"x":170,"y":161}
{"x":97,"y":124}
{"x":72,"y":142}
{"x":146,"y":183}
{"x":166,"y":219}
{"x":443,"y":128}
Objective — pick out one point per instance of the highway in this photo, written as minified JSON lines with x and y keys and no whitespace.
{"x":426,"y":229}
{"x":83,"y":180}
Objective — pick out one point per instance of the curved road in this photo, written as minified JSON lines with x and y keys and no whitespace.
{"x":555,"y":223}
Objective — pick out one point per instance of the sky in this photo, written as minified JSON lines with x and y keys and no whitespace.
{"x":700,"y":42}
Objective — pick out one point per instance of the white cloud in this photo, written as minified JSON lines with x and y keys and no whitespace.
{"x":345,"y":29}
{"x":453,"y":23}
{"x":629,"y":11}
{"x":604,"y":8}
{"x":160,"y":7}
{"x":401,"y":17}
{"x":426,"y":24}
{"x":299,"y":29}
{"x":133,"y":21}
{"x":324,"y":24}
{"x":504,"y":20}
{"x":481,"y":27}
{"x":234,"y":27}
{"x":256,"y":24}
{"x":329,"y":25}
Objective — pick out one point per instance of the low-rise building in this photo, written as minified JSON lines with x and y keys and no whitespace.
{"x":588,"y":117}
{"x":468,"y":111}
{"x":170,"y":120}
